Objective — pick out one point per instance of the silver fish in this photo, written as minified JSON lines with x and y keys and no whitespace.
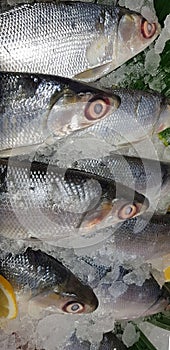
{"x":144,"y":237}
{"x":81,"y":40}
{"x":128,"y":300}
{"x":44,"y":201}
{"x":34,"y":109}
{"x":149,"y":177}
{"x":140,"y":116}
{"x":45,"y":279}
{"x":37,"y":110}
{"x":140,"y":301}
{"x":125,"y":298}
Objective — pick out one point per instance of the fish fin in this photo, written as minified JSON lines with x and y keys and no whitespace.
{"x":95,"y":73}
{"x":11,"y":152}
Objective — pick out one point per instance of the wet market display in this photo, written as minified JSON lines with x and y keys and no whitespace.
{"x":84,"y":175}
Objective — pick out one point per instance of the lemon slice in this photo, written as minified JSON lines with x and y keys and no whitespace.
{"x":8,"y":304}
{"x":167,"y":274}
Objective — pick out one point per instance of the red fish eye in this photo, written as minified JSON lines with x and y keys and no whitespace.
{"x":96,"y":108}
{"x":127,"y":211}
{"x":148,"y":29}
{"x":73,"y":307}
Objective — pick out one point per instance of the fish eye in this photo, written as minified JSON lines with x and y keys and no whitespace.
{"x":127,"y":211}
{"x":73,"y":307}
{"x":148,"y":29}
{"x":96,"y":108}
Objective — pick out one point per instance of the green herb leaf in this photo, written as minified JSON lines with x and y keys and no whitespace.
{"x":164,"y":136}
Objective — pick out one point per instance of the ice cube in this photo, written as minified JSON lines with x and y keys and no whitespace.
{"x":130,"y":336}
{"x":163,"y":37}
{"x":54,"y":330}
{"x":118,"y":288}
{"x":131,"y":4}
{"x":152,"y":61}
{"x":148,"y":12}
{"x":138,"y":276}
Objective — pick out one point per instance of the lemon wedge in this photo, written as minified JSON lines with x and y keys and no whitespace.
{"x":167,"y":274}
{"x":8,"y":304}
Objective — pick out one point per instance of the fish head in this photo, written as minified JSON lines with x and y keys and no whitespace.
{"x":72,"y":297}
{"x":81,"y":298}
{"x":135,"y":33}
{"x":129,"y":34}
{"x":75,"y":110}
{"x":127,"y":205}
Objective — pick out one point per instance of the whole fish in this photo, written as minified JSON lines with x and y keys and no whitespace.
{"x":71,"y":39}
{"x":149,"y":177}
{"x":36,"y":108}
{"x":45,"y":201}
{"x":144,"y":237}
{"x":40,"y":276}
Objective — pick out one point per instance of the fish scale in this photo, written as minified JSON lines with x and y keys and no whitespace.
{"x":138,"y":117}
{"x":70,"y":39}
{"x":147,"y":176}
{"x":33,"y":269}
{"x":34,"y":109}
{"x":43,"y":277}
{"x":145,"y":237}
{"x":68,"y":21}
{"x":47,"y":202}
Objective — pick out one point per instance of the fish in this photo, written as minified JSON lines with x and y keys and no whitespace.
{"x":72,"y":39}
{"x":141,"y":301}
{"x":44,"y":201}
{"x":123,"y":298}
{"x":36,"y":109}
{"x":145,"y":237}
{"x":147,"y":176}
{"x":44,"y":279}
{"x":141,"y":115}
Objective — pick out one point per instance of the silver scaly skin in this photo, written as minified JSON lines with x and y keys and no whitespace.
{"x":39,"y":275}
{"x":144,"y":237}
{"x":136,"y":172}
{"x":133,"y":300}
{"x":43,"y":201}
{"x":149,"y":177}
{"x":34,"y":109}
{"x":71,"y":39}
{"x":139,"y":116}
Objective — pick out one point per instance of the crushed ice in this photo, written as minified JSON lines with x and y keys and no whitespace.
{"x":91,"y":266}
{"x":130,"y":336}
